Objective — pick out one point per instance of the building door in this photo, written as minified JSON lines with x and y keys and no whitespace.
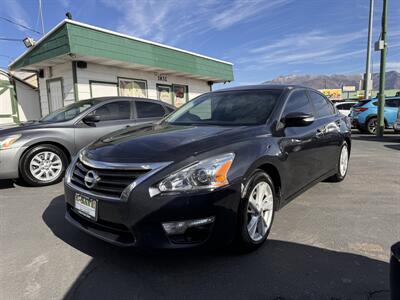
{"x":164,"y":93}
{"x":55,"y":94}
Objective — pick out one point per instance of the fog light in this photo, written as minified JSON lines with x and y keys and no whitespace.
{"x":180,"y":227}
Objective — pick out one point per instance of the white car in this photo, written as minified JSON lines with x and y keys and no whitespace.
{"x":344,"y":107}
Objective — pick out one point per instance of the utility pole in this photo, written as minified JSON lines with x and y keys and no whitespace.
{"x":41,"y":16}
{"x":367,"y":75}
{"x":383,"y":47}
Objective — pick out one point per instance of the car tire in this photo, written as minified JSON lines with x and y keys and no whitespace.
{"x":371,"y":125}
{"x":342,"y":165}
{"x":361,"y":129}
{"x":43,"y":165}
{"x":253,"y":226}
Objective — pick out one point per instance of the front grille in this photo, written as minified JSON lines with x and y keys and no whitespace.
{"x":111,"y":183}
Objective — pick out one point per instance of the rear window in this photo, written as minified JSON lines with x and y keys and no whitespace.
{"x":361,"y":103}
{"x":149,"y":110}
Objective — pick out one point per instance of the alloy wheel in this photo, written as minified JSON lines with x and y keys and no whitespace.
{"x":372,"y":126}
{"x":45,"y":166}
{"x":343,"y":160}
{"x":260,"y":211}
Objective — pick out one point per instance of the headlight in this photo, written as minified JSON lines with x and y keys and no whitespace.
{"x":206,"y":174}
{"x":7,"y":141}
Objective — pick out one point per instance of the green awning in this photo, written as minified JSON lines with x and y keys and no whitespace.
{"x":81,"y":40}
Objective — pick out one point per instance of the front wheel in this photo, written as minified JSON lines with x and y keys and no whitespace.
{"x":256,"y":212}
{"x":343,"y":164}
{"x":43,"y":165}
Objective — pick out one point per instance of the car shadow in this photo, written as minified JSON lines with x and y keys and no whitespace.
{"x":278,"y":270}
{"x":394,"y":147}
{"x":389,"y":138}
{"x":6,"y":184}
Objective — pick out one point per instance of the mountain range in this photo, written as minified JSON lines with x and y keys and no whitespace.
{"x":337,"y":81}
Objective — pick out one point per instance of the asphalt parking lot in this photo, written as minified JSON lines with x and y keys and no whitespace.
{"x":330,"y":243}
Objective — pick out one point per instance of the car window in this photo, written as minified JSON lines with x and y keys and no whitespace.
{"x":149,"y":110}
{"x":298,"y":102}
{"x":392,"y":102}
{"x":347,"y":106}
{"x":120,"y":110}
{"x":340,"y":106}
{"x":228,"y":108}
{"x":68,"y":112}
{"x":322,"y":107}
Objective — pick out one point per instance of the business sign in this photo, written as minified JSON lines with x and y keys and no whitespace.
{"x":349,"y":88}
{"x":332,"y":94}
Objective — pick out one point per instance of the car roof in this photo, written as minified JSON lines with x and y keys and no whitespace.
{"x":280,"y":87}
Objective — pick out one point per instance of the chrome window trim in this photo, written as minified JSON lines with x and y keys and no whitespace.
{"x":152,"y":167}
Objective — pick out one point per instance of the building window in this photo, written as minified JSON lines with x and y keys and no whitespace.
{"x":132,"y":87}
{"x":180,"y":93}
{"x":164,"y":93}
{"x":102,"y":89}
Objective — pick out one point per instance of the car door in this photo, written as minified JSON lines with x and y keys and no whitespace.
{"x":113,"y":115}
{"x":298,"y":146}
{"x":391,"y":109}
{"x":148,"y":111}
{"x":327,"y":137}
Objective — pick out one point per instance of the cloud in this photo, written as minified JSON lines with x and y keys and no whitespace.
{"x":312,"y":47}
{"x":393,"y":66}
{"x":242,"y":10}
{"x":172,"y":20}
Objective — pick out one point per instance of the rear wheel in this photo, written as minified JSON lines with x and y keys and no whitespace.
{"x":371,"y":125}
{"x":257,"y":212}
{"x":43,"y":165}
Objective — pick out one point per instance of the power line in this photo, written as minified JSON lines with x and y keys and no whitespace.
{"x":18,"y":24}
{"x":10,"y":39}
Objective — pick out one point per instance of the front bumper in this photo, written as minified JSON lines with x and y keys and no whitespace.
{"x":9,"y":162}
{"x":137,"y":221}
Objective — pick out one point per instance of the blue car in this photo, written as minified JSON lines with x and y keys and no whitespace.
{"x":364,"y":114}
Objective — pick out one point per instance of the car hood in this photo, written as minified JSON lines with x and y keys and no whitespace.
{"x":13,"y":128}
{"x":161,"y":143}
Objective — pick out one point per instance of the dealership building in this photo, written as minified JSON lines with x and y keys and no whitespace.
{"x":76,"y":61}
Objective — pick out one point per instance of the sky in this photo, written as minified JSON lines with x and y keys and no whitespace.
{"x":262,"y":38}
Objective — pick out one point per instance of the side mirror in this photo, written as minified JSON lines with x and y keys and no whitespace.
{"x":297,"y":119}
{"x":91,"y":119}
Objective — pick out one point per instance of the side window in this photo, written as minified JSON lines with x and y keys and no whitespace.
{"x":112,"y":111}
{"x":392,"y":103}
{"x":322,"y":107}
{"x":347,"y":106}
{"x":149,"y":110}
{"x":341,"y":106}
{"x":298,"y":102}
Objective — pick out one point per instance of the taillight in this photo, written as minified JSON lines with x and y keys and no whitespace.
{"x":360,"y":109}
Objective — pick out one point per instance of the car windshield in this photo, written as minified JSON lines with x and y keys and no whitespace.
{"x":233,"y":108}
{"x":68,"y":112}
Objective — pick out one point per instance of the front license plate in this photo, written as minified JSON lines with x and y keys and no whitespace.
{"x":86,"y":206}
